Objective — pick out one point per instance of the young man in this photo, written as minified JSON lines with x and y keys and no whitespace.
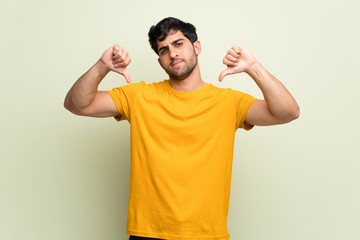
{"x":182,"y":131}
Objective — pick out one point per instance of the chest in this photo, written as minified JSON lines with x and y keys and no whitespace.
{"x":187,"y":119}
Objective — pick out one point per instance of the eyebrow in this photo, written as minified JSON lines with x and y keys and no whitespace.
{"x":172,"y":43}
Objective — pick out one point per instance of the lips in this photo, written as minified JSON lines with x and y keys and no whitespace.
{"x":175,"y":62}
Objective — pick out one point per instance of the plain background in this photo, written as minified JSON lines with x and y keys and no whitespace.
{"x":66,"y":177}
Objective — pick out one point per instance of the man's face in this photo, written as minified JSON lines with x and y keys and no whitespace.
{"x":177,"y":55}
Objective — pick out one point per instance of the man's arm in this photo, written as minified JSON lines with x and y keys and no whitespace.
{"x":84,"y":98}
{"x":278,"y":105}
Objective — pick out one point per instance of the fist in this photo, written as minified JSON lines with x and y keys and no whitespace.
{"x":238,"y":59}
{"x":117,"y":59}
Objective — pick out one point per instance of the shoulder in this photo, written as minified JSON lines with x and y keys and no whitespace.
{"x":139,"y":86}
{"x":235,"y":96}
{"x":226,"y":92}
{"x":145,"y":90}
{"x":155,"y":85}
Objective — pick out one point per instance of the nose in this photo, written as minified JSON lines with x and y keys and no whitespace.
{"x":173,"y":52}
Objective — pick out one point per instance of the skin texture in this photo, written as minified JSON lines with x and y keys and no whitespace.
{"x":84,"y":98}
{"x":278,"y":105}
{"x":177,"y":67}
{"x":178,"y":57}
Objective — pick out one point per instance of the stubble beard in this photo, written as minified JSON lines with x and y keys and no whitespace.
{"x":182,"y":74}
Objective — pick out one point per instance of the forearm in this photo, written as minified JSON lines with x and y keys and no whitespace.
{"x":85,"y":88}
{"x":278,"y":99}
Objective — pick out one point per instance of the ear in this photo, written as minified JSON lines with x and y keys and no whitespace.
{"x":197,"y":47}
{"x":160,"y":63}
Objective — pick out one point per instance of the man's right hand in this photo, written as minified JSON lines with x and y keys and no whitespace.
{"x":117,"y":59}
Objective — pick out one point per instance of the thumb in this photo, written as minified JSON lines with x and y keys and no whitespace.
{"x":224,"y":73}
{"x":124,"y":73}
{"x":127,"y":76}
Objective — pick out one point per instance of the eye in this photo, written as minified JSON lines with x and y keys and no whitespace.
{"x":178,"y":44}
{"x":163,"y":51}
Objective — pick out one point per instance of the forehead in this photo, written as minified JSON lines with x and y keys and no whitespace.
{"x":172,"y":36}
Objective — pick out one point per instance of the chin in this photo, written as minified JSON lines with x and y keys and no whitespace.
{"x":178,"y":78}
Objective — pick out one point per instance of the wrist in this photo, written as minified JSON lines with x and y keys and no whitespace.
{"x":254,"y":69}
{"x":101,"y":68}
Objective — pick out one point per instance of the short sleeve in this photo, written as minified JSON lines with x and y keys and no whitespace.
{"x":123,"y":98}
{"x":243,"y":102}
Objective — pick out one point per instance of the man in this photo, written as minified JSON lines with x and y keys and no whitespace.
{"x":182,"y":131}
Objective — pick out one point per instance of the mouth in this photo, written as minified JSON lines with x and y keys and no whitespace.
{"x":176,"y":62}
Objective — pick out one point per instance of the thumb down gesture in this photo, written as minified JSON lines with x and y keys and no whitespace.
{"x":117,"y":59}
{"x":238,"y":59}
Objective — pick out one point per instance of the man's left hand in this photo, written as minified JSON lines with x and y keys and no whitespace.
{"x":238,"y":59}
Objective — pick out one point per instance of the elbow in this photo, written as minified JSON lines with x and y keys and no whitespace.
{"x":293,"y":114}
{"x":297,"y":113}
{"x":288,"y":115}
{"x":67,"y":102}
{"x":68,"y":105}
{"x":71,"y":106}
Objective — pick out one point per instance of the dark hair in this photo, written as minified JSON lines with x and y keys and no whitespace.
{"x":162,"y":29}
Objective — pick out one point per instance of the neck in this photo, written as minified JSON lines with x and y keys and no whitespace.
{"x":189,"y":84}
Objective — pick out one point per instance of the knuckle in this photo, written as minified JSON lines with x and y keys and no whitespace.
{"x":123,"y":57}
{"x":236,"y":48}
{"x":117,"y":48}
